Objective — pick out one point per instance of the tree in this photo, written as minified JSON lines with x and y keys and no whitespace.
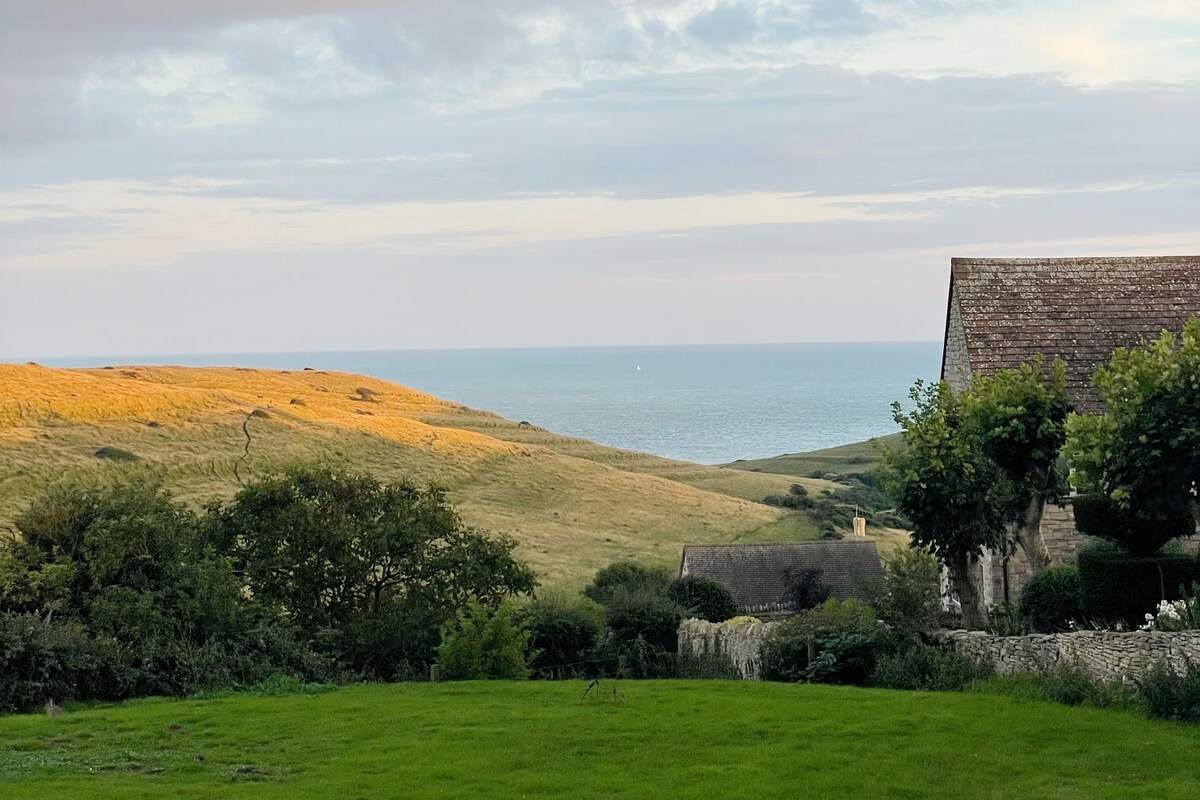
{"x":483,"y":642}
{"x":358,"y":562}
{"x":1138,"y":464}
{"x":703,"y":598}
{"x":623,"y":578}
{"x":1019,"y":418}
{"x":953,"y":493}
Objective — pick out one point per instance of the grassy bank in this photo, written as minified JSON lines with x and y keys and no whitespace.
{"x":843,"y":459}
{"x":573,"y":505}
{"x":661,"y":739}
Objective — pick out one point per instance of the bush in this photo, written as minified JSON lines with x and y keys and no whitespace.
{"x":911,"y":600}
{"x":1118,"y":587}
{"x":1099,"y":515}
{"x":836,"y":642}
{"x":1166,"y":694}
{"x":625,"y":578}
{"x":653,"y":618}
{"x":1051,"y":600}
{"x":703,"y":598}
{"x":483,"y":643}
{"x":41,"y":661}
{"x":1067,"y":685}
{"x":563,"y":636}
{"x":927,"y":668}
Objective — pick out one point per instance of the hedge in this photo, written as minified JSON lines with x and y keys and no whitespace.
{"x":1116,"y":586}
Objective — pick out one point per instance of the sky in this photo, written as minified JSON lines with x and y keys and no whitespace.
{"x":261,"y":175}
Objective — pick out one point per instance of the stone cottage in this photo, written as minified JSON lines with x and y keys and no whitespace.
{"x":1002,"y":312}
{"x":761,"y":577}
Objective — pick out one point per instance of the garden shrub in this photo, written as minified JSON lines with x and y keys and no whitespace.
{"x":653,"y":618}
{"x":1166,"y":694}
{"x":563,"y":635}
{"x":836,"y":642}
{"x":703,"y":598}
{"x":624,"y":578}
{"x":1118,"y":587}
{"x":1051,"y":600}
{"x":482,"y":642}
{"x":919,"y":666}
{"x":910,"y":600}
{"x":41,"y":661}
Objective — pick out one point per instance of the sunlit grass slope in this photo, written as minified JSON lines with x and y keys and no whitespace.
{"x":665,"y":739}
{"x":572,"y":504}
{"x":846,"y":458}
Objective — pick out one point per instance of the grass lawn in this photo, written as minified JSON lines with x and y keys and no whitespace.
{"x":666,"y":740}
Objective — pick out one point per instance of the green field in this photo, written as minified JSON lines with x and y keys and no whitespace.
{"x":538,"y":740}
{"x":843,"y":459}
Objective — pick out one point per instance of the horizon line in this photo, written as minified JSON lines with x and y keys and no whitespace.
{"x":464,"y":348}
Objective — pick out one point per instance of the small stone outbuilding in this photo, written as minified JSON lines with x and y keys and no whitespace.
{"x":1002,"y":312}
{"x":761,"y":577}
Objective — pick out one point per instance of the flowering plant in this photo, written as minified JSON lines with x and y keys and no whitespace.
{"x":1176,"y":615}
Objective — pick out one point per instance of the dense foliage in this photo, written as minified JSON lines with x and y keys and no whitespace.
{"x":1052,"y":600}
{"x":1117,"y":587}
{"x":484,"y":642}
{"x":954,"y":494}
{"x":121,"y":592}
{"x":624,"y":578}
{"x":564,"y":636}
{"x":1138,"y":464}
{"x":702,"y":598}
{"x":911,"y":599}
{"x":836,"y":642}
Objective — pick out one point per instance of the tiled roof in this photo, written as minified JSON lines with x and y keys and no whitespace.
{"x":1077,"y":309}
{"x":759,"y":576}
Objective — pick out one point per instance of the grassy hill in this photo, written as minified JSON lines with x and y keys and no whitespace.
{"x":846,"y":458}
{"x":696,"y":739}
{"x":572,"y":504}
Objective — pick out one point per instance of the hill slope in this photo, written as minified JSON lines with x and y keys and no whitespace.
{"x":843,"y":459}
{"x":572,"y":504}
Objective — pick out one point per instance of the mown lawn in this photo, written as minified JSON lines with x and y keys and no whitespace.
{"x":538,"y":740}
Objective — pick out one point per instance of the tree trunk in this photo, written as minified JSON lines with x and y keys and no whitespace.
{"x":966,"y":589}
{"x":1029,"y":536}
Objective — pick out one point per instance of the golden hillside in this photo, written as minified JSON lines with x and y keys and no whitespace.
{"x":572,"y":504}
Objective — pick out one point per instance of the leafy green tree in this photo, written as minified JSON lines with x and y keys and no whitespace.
{"x":1137,"y":465}
{"x":564,"y":635}
{"x":953,"y":493}
{"x":484,"y":642}
{"x":623,"y":578}
{"x":703,"y":598}
{"x":362,"y":566}
{"x":1019,"y":418}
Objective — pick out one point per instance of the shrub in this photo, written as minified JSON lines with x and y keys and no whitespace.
{"x":835,"y":642}
{"x":807,"y":590}
{"x":703,"y":598}
{"x":1098,"y":515}
{"x":1067,"y":685}
{"x":563,"y":635}
{"x":925,"y":667}
{"x":483,"y":643}
{"x":1166,"y":694}
{"x":41,"y":661}
{"x":1051,"y":600}
{"x":910,"y":601}
{"x":625,"y":578}
{"x":653,"y":618}
{"x":1118,"y":587}
{"x":109,"y":453}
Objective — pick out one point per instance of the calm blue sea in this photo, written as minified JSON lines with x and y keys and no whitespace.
{"x":712,"y":403}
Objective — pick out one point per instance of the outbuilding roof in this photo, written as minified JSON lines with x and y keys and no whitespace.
{"x":760,"y":576}
{"x":1076,"y":309}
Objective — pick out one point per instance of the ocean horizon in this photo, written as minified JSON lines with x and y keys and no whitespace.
{"x":706,"y":403}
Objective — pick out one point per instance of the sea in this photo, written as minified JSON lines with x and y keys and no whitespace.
{"x":706,"y":403}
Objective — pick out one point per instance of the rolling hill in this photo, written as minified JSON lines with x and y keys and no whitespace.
{"x":573,"y":505}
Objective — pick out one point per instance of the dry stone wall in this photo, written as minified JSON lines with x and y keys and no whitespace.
{"x":1104,"y":655}
{"x":740,"y":640}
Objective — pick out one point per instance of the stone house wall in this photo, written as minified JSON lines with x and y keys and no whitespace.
{"x":1103,"y":655}
{"x":740,"y":639}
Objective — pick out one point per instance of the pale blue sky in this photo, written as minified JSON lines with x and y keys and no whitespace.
{"x":260,"y":175}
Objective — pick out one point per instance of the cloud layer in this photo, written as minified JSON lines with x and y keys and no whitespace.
{"x":522,"y":172}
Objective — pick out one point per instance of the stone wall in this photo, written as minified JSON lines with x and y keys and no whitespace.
{"x":740,"y":640}
{"x":1105,"y":655}
{"x":956,"y":362}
